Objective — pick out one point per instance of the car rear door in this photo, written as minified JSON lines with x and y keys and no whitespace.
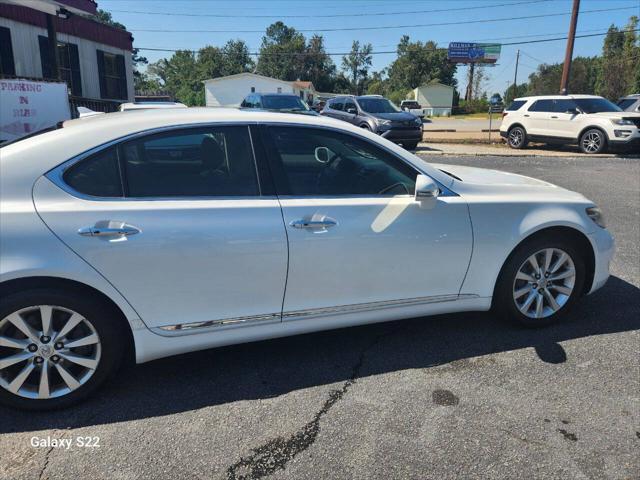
{"x":179,"y":222}
{"x":357,"y":237}
{"x":537,"y":117}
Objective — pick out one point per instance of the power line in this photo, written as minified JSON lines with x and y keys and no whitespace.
{"x":334,"y":15}
{"x":386,"y":27}
{"x":382,"y":52}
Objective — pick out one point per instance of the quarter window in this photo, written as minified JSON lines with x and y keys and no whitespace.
{"x":515,"y":105}
{"x":98,"y":175}
{"x":201,"y":162}
{"x":317,"y":162}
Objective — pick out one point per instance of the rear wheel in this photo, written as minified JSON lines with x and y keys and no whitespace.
{"x":540,"y":282}
{"x":517,"y":138}
{"x":593,"y":141}
{"x":55,"y":348}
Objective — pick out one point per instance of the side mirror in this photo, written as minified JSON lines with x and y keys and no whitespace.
{"x":427,"y":190}
{"x":352,"y":111}
{"x":322,"y":154}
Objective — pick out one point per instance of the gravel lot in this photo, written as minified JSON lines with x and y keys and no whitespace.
{"x":456,"y":396}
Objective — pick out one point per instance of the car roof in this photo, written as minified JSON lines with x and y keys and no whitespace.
{"x":274,"y":94}
{"x":556,"y":97}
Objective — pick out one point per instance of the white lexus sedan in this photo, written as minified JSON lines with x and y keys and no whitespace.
{"x":155,"y":233}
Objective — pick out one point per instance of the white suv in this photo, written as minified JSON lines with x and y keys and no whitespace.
{"x":591,"y":122}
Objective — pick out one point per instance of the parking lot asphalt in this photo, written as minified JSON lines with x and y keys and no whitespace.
{"x":447,"y":397}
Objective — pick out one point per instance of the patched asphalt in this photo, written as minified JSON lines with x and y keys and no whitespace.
{"x":447,"y":397}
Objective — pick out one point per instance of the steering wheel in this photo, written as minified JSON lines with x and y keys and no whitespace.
{"x":390,"y":187}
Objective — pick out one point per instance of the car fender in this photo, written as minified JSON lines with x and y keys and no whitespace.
{"x":496,"y":236}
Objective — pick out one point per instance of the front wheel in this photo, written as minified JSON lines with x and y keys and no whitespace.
{"x":56,"y":348}
{"x":540,"y":282}
{"x":593,"y":141}
{"x":517,"y":138}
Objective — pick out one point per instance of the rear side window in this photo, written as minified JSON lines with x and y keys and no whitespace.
{"x":542,"y":106}
{"x":515,"y":105}
{"x":98,"y":176}
{"x":212,"y":161}
{"x":215,"y":161}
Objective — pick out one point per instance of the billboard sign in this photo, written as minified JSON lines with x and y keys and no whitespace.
{"x":466,"y":52}
{"x":29,"y":106}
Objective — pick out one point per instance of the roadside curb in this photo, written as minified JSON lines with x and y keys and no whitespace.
{"x":424,"y":149}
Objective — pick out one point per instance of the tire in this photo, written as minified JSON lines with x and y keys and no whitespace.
{"x":411,"y":146}
{"x":366,"y":126}
{"x":513,"y":291}
{"x":593,"y":141}
{"x":517,"y":138}
{"x":98,"y":324}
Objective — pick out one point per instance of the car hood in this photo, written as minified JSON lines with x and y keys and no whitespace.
{"x":494,"y":182}
{"x":396,"y":117}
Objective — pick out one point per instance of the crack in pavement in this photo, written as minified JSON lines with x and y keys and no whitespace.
{"x":276,"y":453}
{"x":46,"y":460}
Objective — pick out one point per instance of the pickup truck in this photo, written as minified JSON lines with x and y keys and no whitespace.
{"x":414,"y":107}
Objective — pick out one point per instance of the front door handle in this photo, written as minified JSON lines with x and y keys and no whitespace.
{"x":109,"y":228}
{"x":314,"y":224}
{"x":553,"y":116}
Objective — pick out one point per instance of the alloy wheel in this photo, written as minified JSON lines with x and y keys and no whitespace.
{"x":516,"y":136}
{"x":592,"y":142}
{"x":544,"y":283}
{"x":47,"y":351}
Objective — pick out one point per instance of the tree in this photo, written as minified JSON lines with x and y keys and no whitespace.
{"x":512,"y":93}
{"x":282,"y":54}
{"x":318,"y":66}
{"x":546,"y":79}
{"x":356,"y":65}
{"x":631,"y":56}
{"x":611,"y":81}
{"x":420,"y":63}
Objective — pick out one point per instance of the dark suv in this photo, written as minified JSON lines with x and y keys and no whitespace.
{"x":277,"y":102}
{"x":379,"y":115}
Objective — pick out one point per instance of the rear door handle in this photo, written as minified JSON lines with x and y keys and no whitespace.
{"x":109,"y":228}
{"x":553,"y":116}
{"x":314,"y":224}
{"x":525,"y":115}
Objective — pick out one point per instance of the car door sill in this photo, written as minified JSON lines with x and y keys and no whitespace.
{"x":200,"y":327}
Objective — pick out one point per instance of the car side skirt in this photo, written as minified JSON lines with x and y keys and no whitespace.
{"x":158,"y":343}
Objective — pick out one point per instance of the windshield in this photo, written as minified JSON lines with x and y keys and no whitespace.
{"x":283,"y":102}
{"x":594,"y":105}
{"x":377,"y":105}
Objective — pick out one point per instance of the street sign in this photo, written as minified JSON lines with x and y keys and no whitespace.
{"x":465,"y":52}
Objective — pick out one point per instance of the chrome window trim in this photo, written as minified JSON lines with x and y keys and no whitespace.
{"x":56,"y":174}
{"x":444,"y":191}
{"x":216,"y":325}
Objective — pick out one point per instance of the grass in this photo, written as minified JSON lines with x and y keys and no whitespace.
{"x":481,"y":116}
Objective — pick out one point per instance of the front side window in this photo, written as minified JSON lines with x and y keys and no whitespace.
{"x":319,"y":162}
{"x":216,"y":161}
{"x":564,"y":106}
{"x":350,"y":105}
{"x":626,"y":103}
{"x":595,"y":105}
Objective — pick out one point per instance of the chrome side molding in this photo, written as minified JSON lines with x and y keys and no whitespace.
{"x":199,"y":327}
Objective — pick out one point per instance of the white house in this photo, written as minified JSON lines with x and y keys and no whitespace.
{"x":437,"y":98}
{"x":230,"y":91}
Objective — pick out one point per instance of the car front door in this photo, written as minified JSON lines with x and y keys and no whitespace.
{"x":564,"y":121}
{"x":178,"y":222}
{"x":356,"y":234}
{"x":351,"y":112}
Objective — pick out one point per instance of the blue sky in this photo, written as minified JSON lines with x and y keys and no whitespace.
{"x":239,"y":15}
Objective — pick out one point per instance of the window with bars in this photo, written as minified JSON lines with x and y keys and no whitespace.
{"x":113,"y":76}
{"x":68,"y":64}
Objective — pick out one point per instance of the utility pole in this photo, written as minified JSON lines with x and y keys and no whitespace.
{"x":566,"y":68}
{"x":469,"y":93}
{"x":515,"y":76}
